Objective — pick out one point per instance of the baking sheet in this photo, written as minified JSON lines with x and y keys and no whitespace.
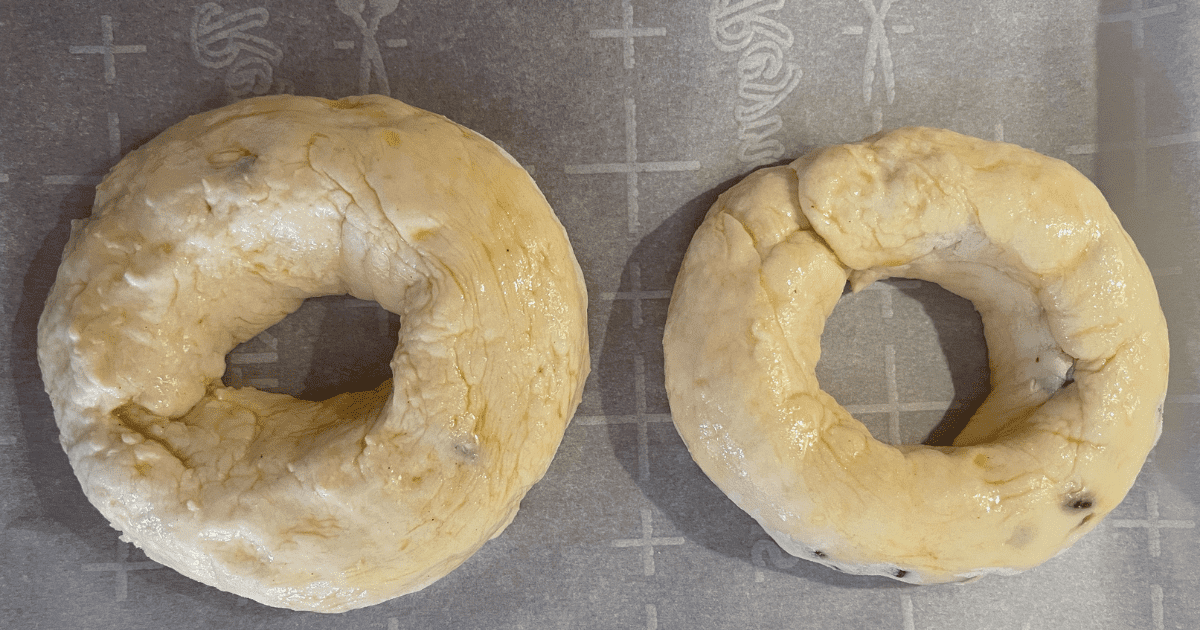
{"x":632,"y":115}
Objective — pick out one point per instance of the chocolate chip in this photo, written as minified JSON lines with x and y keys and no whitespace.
{"x":900,"y":573}
{"x":1079,"y":501}
{"x":820,"y":554}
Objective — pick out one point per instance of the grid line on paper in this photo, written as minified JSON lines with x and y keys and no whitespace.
{"x":628,"y":32}
{"x":121,"y":568}
{"x":1152,"y":142}
{"x":651,"y":617}
{"x":631,"y":167}
{"x":647,"y":542}
{"x":1142,"y":142}
{"x":1152,"y":524}
{"x":906,"y":611}
{"x":894,"y":406}
{"x":1137,"y":15}
{"x":114,"y":135}
{"x":887,"y":290}
{"x":108,"y":49}
{"x":71,"y":180}
{"x":258,"y":360}
{"x":1156,"y":607}
{"x":640,"y":416}
{"x":383,"y":317}
{"x":893,"y":390}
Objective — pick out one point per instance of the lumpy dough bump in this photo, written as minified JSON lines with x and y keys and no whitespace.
{"x":224,"y":224}
{"x":1060,"y":288}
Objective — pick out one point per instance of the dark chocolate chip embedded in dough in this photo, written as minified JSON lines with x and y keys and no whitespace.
{"x":900,"y":573}
{"x":1079,"y":501}
{"x":820,"y":554}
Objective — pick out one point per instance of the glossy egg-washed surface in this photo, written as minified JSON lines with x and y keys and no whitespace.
{"x":224,"y":224}
{"x":1063,"y":295}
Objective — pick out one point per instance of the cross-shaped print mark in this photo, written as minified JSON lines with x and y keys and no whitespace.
{"x":642,"y":419}
{"x":108,"y":49}
{"x":121,"y":568}
{"x":893,"y":407}
{"x":627,"y":32}
{"x":239,"y":359}
{"x":1136,"y":16}
{"x":1152,"y":523}
{"x":631,"y":166}
{"x":647,"y":542}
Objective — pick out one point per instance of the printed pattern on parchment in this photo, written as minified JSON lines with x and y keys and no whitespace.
{"x":627,"y":33}
{"x":765,"y":76}
{"x":222,"y":40}
{"x":66,"y":571}
{"x":631,"y":167}
{"x":1129,"y":160}
{"x":636,"y":297}
{"x":879,"y":53}
{"x":120,"y":569}
{"x":366,"y":15}
{"x":108,"y":49}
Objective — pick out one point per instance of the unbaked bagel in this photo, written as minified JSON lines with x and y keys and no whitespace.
{"x":1059,"y":285}
{"x":224,"y":224}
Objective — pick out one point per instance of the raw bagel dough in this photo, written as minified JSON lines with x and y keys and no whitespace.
{"x":224,"y":224}
{"x":1058,"y":283}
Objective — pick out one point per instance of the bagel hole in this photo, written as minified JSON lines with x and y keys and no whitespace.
{"x":328,"y":346}
{"x":908,"y":359}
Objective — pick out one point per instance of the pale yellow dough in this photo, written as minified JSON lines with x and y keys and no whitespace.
{"x":1058,"y":283}
{"x":224,"y":224}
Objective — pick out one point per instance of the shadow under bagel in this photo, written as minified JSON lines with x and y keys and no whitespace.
{"x":1149,"y":179}
{"x":62,"y":504}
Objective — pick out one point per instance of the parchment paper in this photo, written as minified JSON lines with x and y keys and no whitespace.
{"x":632,"y":115}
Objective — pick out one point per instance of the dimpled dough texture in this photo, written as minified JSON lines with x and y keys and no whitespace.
{"x":224,"y":224}
{"x":1058,"y":283}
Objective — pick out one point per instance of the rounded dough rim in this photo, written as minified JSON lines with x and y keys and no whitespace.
{"x":1060,"y":287}
{"x":222,"y":225}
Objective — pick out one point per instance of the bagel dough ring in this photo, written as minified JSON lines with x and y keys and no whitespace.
{"x":224,"y":224}
{"x":1058,"y":283}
